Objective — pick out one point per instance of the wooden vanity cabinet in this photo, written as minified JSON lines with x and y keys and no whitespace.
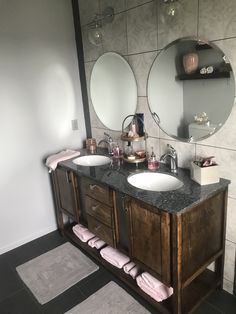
{"x":66,"y":195}
{"x":175,"y":247}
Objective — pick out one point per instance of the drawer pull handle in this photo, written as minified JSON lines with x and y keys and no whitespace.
{"x":97,"y":228}
{"x":94,"y":208}
{"x":92,"y":186}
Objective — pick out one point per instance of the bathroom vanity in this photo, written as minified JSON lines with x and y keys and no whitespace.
{"x":174,"y":235}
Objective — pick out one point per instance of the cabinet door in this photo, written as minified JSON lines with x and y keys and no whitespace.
{"x":66,"y":192}
{"x":150,"y":238}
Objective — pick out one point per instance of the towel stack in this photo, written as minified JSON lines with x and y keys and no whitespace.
{"x":114,"y":257}
{"x":131,"y":269}
{"x":96,"y":242}
{"x":53,"y":160}
{"x":153,"y":287}
{"x":82,"y":233}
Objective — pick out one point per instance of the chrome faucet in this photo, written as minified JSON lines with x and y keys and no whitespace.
{"x":172,"y":154}
{"x":108,"y":141}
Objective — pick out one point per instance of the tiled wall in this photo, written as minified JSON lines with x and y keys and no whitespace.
{"x":139,"y":31}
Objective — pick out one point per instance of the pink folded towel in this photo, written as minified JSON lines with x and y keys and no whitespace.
{"x":114,"y":257}
{"x":82,"y":233}
{"x":96,"y":242}
{"x":53,"y":160}
{"x":153,"y":287}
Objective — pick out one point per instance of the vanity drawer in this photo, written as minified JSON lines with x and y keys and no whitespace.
{"x":100,"y":230}
{"x":98,"y":210}
{"x":100,"y":192}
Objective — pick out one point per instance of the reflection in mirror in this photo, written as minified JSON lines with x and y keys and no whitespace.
{"x":191,"y":89}
{"x":113,"y":90}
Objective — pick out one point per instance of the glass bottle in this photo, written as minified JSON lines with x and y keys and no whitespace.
{"x":152,"y":161}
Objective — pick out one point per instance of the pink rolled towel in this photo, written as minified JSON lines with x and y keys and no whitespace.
{"x":154,"y":287}
{"x":114,"y":257}
{"x":134,"y":272}
{"x":82,"y":233}
{"x":99,"y":244}
{"x":92,"y":241}
{"x":96,"y":242}
{"x":53,"y":160}
{"x":131,"y":269}
{"x":127,"y":268}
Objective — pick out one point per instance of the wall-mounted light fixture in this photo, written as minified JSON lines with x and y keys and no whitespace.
{"x":95,"y":34}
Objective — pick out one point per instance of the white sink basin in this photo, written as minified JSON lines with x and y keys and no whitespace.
{"x":154,"y":181}
{"x":92,"y":160}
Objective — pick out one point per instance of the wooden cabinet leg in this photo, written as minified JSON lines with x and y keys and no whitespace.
{"x":176,"y":262}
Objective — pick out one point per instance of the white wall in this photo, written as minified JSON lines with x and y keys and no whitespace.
{"x":39,"y":96}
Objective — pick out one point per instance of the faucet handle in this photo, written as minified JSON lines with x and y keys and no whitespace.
{"x":109,"y":138}
{"x":171,"y":149}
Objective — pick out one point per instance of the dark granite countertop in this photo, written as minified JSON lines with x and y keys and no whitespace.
{"x":175,"y":201}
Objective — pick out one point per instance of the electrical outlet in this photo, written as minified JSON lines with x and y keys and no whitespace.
{"x":74,"y":125}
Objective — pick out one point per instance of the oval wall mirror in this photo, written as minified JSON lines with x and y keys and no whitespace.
{"x":190,"y":89}
{"x":113,"y":90}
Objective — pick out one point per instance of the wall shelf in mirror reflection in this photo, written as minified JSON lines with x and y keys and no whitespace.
{"x":113,"y":90}
{"x":210,"y":88}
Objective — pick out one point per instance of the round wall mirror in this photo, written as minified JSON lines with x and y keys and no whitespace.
{"x":191,"y":89}
{"x":113,"y":90}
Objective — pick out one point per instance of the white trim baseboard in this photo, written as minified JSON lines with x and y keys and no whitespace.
{"x":34,"y":236}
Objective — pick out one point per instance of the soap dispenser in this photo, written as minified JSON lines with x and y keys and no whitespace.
{"x":152,"y":161}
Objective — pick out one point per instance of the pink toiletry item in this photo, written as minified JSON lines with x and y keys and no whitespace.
{"x":114,"y":257}
{"x":153,"y":287}
{"x":53,"y":160}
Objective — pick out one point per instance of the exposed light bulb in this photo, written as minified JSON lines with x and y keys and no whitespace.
{"x":95,"y":35}
{"x":171,"y":11}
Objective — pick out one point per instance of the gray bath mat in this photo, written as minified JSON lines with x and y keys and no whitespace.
{"x":110,"y":299}
{"x":52,"y":273}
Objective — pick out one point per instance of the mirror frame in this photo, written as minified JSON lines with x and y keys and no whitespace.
{"x":155,"y":115}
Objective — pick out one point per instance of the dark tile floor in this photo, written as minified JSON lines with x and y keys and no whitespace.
{"x":15,"y":298}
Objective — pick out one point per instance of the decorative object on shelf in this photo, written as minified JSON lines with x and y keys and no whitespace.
{"x":95,"y":34}
{"x":207,"y":70}
{"x":190,"y":62}
{"x":201,"y":118}
{"x":140,"y":123}
{"x":205,"y":171}
{"x":133,"y":128}
{"x":203,"y":70}
{"x":135,"y":150}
